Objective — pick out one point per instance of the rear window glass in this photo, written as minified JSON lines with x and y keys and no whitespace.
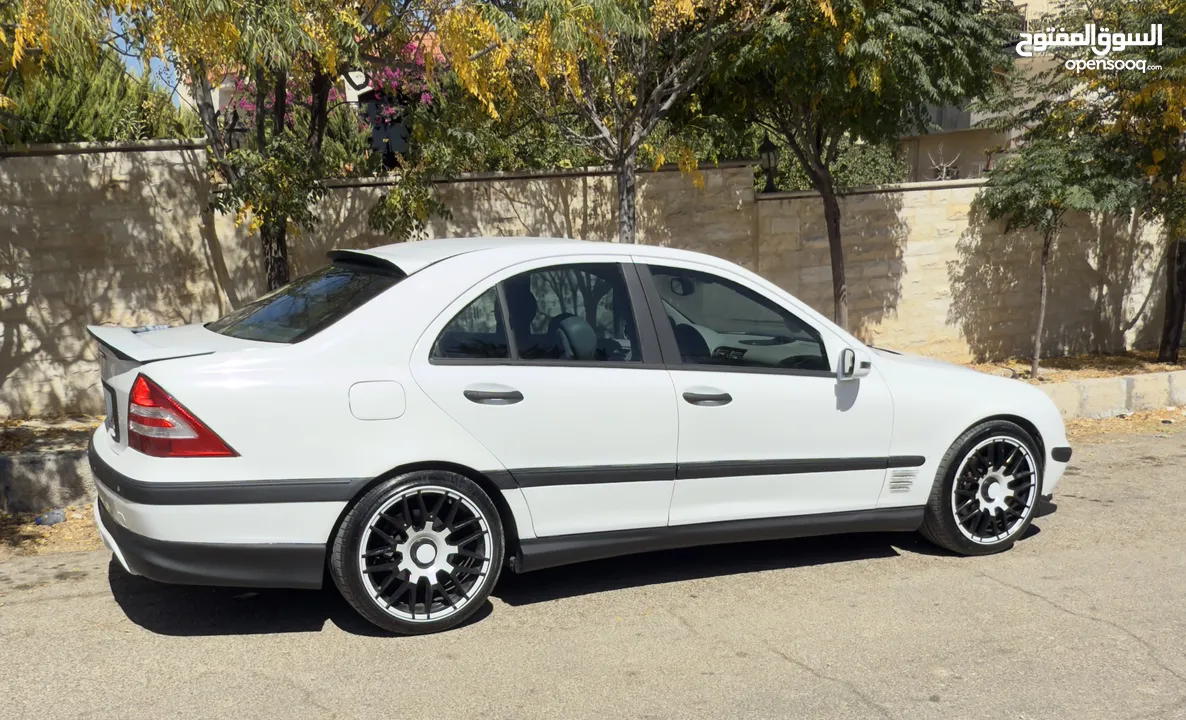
{"x":307,"y":305}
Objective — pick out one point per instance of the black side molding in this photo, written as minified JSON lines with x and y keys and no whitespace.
{"x":743,"y":468}
{"x":278,"y":565}
{"x":542,"y":477}
{"x":539,"y":553}
{"x":539,"y":477}
{"x":237,"y":492}
{"x":222,"y":492}
{"x":1061,"y":454}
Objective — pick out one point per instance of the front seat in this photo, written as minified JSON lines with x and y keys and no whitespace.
{"x":692,"y":346}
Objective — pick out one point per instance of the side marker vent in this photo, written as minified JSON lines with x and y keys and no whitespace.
{"x":902,"y":479}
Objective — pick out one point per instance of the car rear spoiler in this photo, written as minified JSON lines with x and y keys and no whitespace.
{"x":366,"y":260}
{"x":125,"y":344}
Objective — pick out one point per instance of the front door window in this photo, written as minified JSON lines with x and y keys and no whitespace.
{"x":719,"y":322}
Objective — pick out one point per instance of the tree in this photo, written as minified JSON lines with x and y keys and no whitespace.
{"x":605,"y":73}
{"x":290,"y":55}
{"x":460,"y":135}
{"x":1142,"y":113}
{"x":820,"y":73}
{"x":1034,"y":188}
{"x":857,"y":164}
{"x":85,"y":99}
{"x":1133,"y":104}
{"x":32,"y":32}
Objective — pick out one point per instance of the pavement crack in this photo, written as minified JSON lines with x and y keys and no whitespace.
{"x":684,"y":621}
{"x":1163,"y":712}
{"x":868,"y":701}
{"x":308,"y":695}
{"x":1149,"y":649}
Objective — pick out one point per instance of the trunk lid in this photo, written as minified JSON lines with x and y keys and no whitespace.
{"x":143,"y":345}
{"x":122,"y":350}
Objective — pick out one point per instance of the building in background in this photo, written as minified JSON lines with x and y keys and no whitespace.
{"x":956,"y":146}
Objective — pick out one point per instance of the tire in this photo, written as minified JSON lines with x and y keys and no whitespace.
{"x":986,"y":490}
{"x":419,"y":553}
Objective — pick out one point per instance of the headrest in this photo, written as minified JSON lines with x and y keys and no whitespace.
{"x":576,"y":337}
{"x":521,"y":302}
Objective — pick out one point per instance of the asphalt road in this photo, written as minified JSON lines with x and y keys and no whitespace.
{"x":1084,"y":618}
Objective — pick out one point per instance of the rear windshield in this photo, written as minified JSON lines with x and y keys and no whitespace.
{"x":307,"y":305}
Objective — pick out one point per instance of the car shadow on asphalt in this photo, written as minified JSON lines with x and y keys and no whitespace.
{"x":185,"y":610}
{"x":670,"y":566}
{"x":717,"y":560}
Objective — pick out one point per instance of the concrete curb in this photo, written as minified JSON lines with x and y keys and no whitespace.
{"x":1109,"y":397}
{"x":35,"y":481}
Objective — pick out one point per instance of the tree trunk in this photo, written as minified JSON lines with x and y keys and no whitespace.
{"x":208,"y":116}
{"x":273,"y":233}
{"x":1042,"y":292}
{"x":261,"y":117}
{"x":280,"y":106}
{"x":627,"y":192}
{"x":319,"y":109}
{"x":836,"y":251}
{"x":275,"y":246}
{"x":1175,"y":298}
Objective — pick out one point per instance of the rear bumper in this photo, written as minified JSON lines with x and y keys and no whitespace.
{"x":181,"y":554}
{"x":271,"y":565}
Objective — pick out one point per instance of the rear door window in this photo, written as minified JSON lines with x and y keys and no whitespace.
{"x":307,"y":305}
{"x":576,"y":312}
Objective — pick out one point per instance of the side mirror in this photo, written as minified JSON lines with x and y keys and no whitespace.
{"x":853,"y":364}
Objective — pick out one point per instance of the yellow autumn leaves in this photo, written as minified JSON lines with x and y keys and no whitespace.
{"x":477,"y":52}
{"x":552,"y":45}
{"x":31,"y":32}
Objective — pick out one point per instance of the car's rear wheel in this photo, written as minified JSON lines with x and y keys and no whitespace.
{"x":419,"y":553}
{"x":986,"y":491}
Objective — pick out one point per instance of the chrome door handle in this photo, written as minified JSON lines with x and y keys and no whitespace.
{"x":708,"y":399}
{"x":494,"y":397}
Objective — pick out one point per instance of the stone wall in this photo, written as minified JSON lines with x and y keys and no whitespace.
{"x":94,"y":234}
{"x":928,"y":275}
{"x":125,"y":235}
{"x":720,"y":218}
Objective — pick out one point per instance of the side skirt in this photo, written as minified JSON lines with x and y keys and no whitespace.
{"x":540,"y":553}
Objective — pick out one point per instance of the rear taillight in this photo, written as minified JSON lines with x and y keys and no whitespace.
{"x":159,"y":426}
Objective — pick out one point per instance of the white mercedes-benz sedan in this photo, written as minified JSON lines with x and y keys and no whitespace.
{"x":414,"y":417}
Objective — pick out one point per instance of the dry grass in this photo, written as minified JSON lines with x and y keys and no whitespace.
{"x":20,"y":536}
{"x":1080,"y":367}
{"x":1148,"y":422}
{"x":17,"y":435}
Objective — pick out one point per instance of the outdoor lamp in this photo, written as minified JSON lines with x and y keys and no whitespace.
{"x":768,"y":160}
{"x":235,"y":131}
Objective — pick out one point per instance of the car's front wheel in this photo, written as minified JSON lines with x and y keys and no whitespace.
{"x":986,"y":490}
{"x":419,"y":553}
